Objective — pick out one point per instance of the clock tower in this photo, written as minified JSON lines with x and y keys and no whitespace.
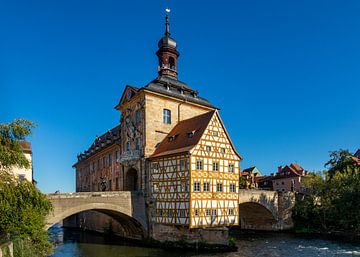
{"x":167,"y":54}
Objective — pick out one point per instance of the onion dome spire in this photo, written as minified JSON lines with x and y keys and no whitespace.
{"x":167,"y":52}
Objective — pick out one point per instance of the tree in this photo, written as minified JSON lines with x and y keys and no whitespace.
{"x":331,"y":204}
{"x":23,"y":208}
{"x":10,"y":149}
{"x":341,"y":162}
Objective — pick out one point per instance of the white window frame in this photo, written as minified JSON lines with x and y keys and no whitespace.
{"x":208,"y":212}
{"x":166,"y":116}
{"x":231,"y":212}
{"x":199,"y":164}
{"x":196,"y":186}
{"x":219,"y":187}
{"x":215,"y":166}
{"x":206,"y":186}
{"x":232,"y":167}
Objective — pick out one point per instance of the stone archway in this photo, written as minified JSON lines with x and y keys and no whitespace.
{"x":256,"y":216}
{"x":132,"y":228}
{"x":131,"y":180}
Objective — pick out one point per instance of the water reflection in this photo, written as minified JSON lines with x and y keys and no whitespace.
{"x":80,"y":244}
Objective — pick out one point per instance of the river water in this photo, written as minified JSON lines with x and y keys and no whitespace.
{"x":80,"y":244}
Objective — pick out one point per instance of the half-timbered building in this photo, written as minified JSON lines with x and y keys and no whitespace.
{"x":195,"y":174}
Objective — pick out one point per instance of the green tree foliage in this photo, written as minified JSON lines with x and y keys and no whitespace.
{"x":23,"y":207}
{"x":332,"y":201}
{"x":10,"y":149}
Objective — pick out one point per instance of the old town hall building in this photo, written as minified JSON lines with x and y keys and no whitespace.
{"x":172,"y":146}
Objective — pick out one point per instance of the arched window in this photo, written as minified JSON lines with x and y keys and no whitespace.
{"x":167,"y":116}
{"x":172,"y":63}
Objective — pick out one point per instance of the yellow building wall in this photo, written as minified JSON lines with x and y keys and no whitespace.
{"x":156,"y":130}
{"x":212,"y":208}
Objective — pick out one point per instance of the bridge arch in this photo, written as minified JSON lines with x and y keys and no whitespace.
{"x":126,"y":209}
{"x":132,"y":227}
{"x":254,"y":215}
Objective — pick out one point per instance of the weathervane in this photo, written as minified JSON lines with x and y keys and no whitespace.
{"x":167,"y":31}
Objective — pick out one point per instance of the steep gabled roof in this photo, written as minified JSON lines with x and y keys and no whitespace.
{"x":357,"y":154}
{"x":292,"y":170}
{"x":128,"y":88}
{"x":178,"y":140}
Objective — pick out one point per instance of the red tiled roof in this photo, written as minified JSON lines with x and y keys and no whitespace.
{"x":356,"y":160}
{"x":26,"y":146}
{"x":244,"y":173}
{"x":178,"y":140}
{"x":249,"y":170}
{"x":292,"y":170}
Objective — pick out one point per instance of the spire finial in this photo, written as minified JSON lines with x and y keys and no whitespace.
{"x":167,"y":24}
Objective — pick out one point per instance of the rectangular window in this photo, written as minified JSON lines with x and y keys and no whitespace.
{"x":231,"y":168}
{"x":196,"y":186}
{"x":138,"y":144}
{"x":110,"y":159}
{"x":184,"y":187}
{"x":166,"y":116}
{"x":222,"y":150}
{"x":137,"y":116}
{"x":231,"y":211}
{"x":117,"y":156}
{"x":206,"y":187}
{"x":232,"y":188}
{"x":110,"y":185}
{"x":160,"y":213}
{"x":213,"y":212}
{"x":199,"y":164}
{"x":208,"y":148}
{"x":207,"y":212}
{"x":215,"y":133}
{"x":21,"y":177}
{"x":215,"y":166}
{"x":182,"y":165}
{"x":98,"y":165}
{"x":182,"y":214}
{"x":117,"y":183}
{"x":219,"y":187}
{"x":196,"y":212}
{"x":128,"y":146}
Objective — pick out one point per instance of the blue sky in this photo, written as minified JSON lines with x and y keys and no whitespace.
{"x":285,"y":74}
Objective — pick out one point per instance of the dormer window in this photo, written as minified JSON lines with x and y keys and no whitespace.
{"x":166,"y":116}
{"x":172,"y":138}
{"x":191,"y":133}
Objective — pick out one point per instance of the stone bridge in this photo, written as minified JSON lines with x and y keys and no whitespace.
{"x":258,"y":209}
{"x":127,"y":208}
{"x":265,"y":210}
